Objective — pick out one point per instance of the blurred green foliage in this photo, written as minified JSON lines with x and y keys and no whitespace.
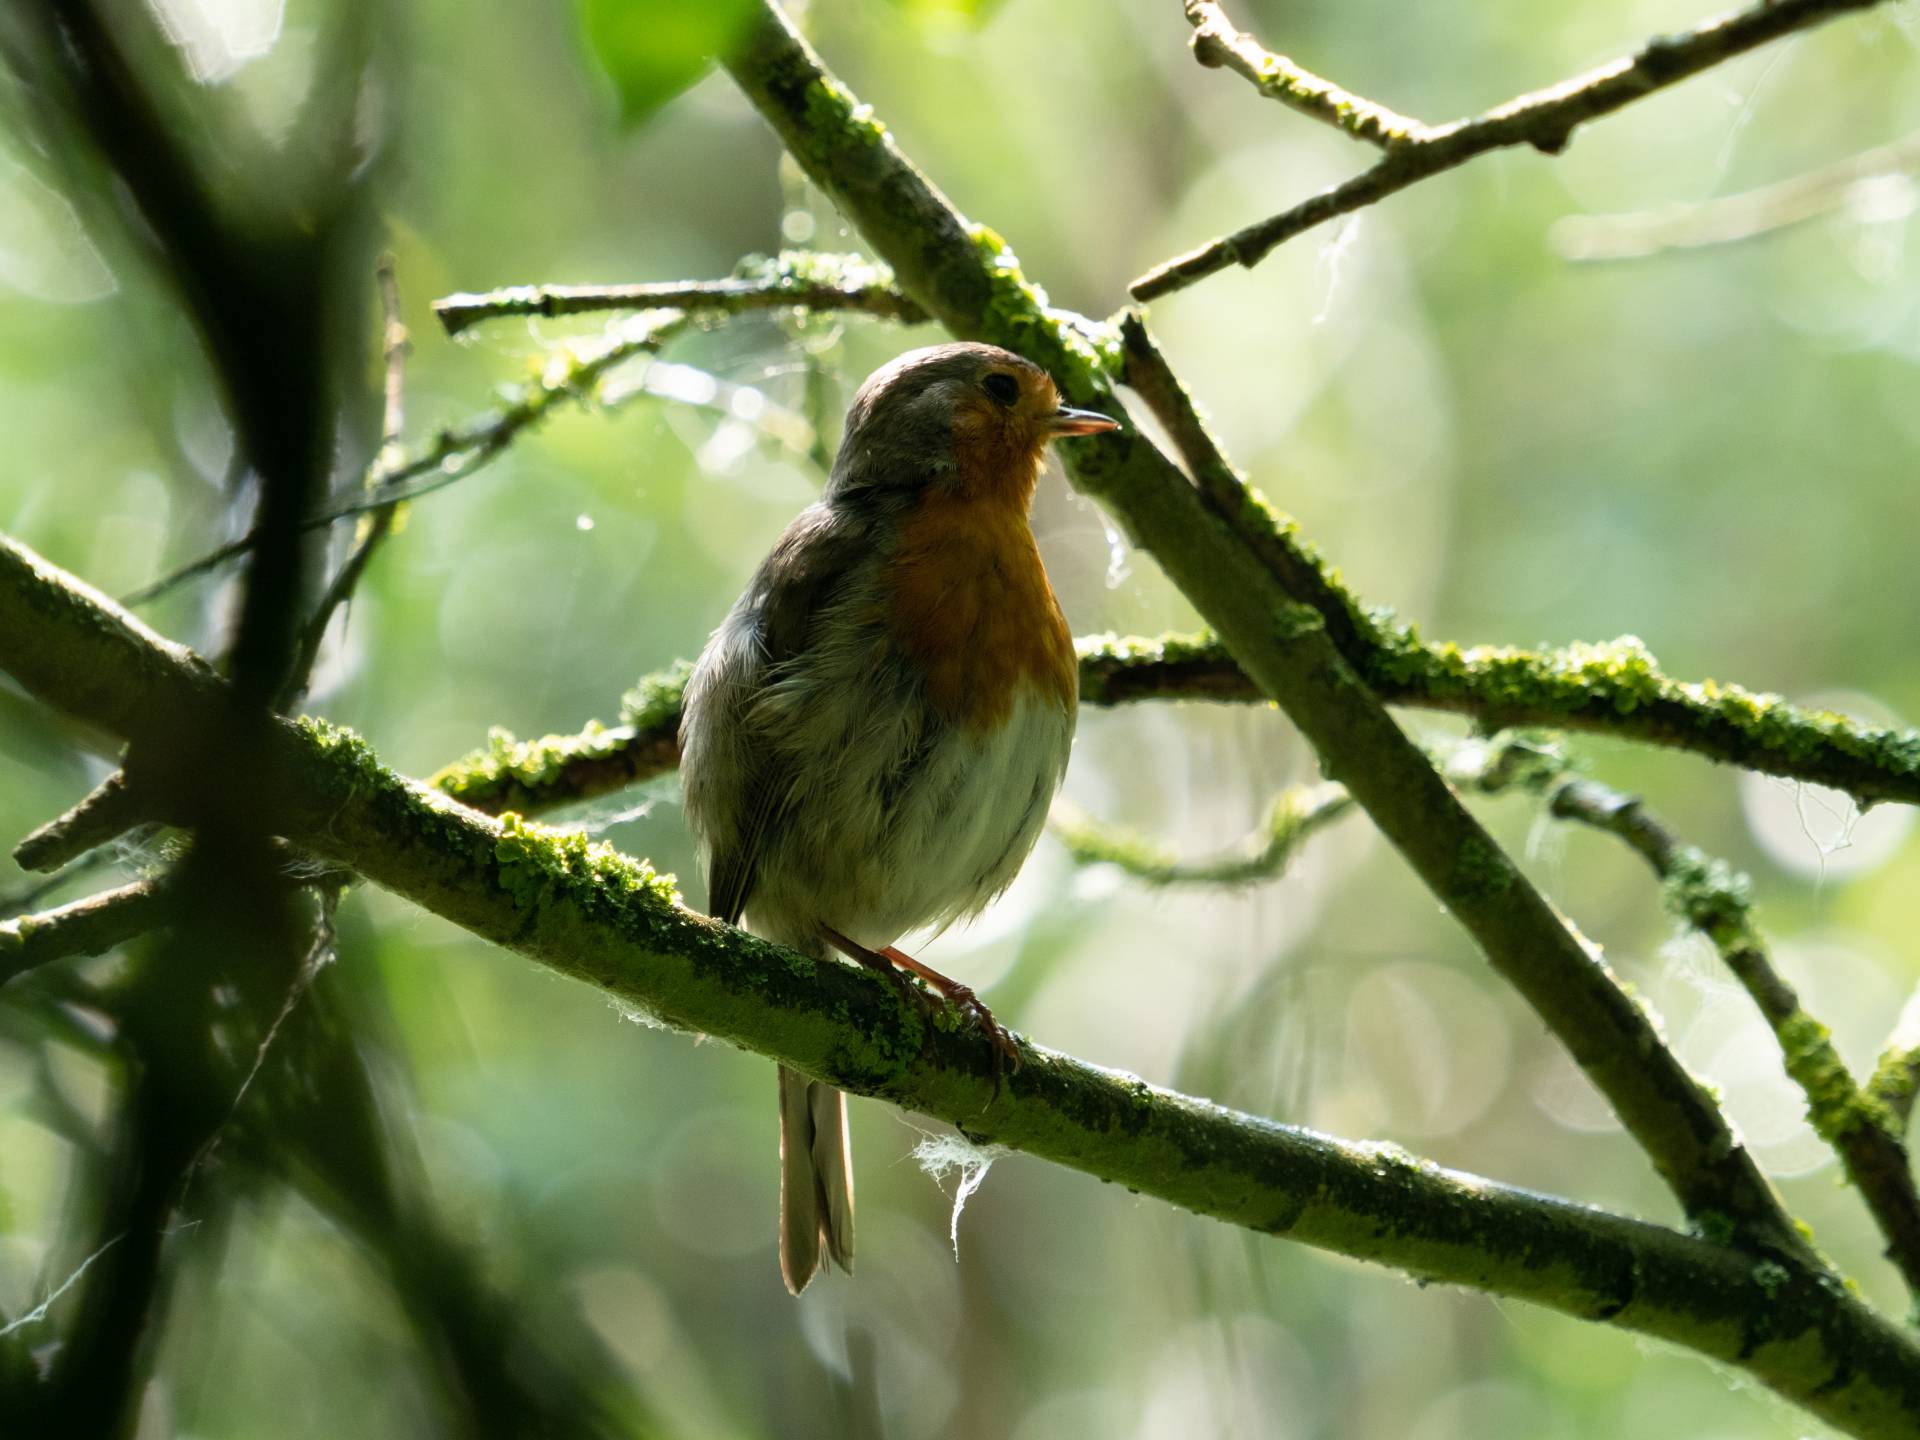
{"x":1711,"y":450}
{"x":654,"y":49}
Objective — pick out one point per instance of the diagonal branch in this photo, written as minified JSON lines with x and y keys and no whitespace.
{"x":1858,"y":1125}
{"x":104,"y":813}
{"x":587,"y":911}
{"x":1544,"y":119}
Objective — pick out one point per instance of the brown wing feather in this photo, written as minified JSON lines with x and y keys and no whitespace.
{"x":806,"y":568}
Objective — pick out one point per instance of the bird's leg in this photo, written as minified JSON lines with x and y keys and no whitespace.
{"x":874,"y":960}
{"x":1004,"y":1050}
{"x":897,"y":964}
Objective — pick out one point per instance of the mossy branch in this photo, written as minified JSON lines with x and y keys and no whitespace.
{"x":1896,"y":1076}
{"x":589,"y":912}
{"x":791,"y":280}
{"x":1544,"y":120}
{"x":104,"y":813}
{"x":1296,"y":815}
{"x":1859,"y":1125}
{"x":1217,"y":42}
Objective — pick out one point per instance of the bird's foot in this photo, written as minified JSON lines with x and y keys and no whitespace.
{"x":903,"y":969}
{"x":1005,"y":1051}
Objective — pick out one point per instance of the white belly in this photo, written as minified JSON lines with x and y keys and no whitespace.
{"x":875,"y":848}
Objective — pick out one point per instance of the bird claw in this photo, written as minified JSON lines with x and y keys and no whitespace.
{"x":902,"y":969}
{"x":1005,"y":1050}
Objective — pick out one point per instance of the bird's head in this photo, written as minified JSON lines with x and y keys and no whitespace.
{"x":971,"y":417}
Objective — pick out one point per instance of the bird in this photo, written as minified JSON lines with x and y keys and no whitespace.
{"x":872,"y":737}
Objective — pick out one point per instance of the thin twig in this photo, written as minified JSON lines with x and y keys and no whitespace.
{"x":1276,"y":537}
{"x":794,"y":279}
{"x":1297,"y":813}
{"x":1875,"y":184}
{"x":572,"y":373}
{"x":1544,"y":119}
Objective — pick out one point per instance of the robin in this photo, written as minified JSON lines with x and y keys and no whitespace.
{"x":874,"y":734}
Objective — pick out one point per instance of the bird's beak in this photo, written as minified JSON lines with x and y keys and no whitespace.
{"x":1079,"y":422}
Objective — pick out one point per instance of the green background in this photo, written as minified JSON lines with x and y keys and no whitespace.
{"x":1712,"y":451}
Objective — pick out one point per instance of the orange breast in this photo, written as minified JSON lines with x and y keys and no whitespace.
{"x":969,"y":599}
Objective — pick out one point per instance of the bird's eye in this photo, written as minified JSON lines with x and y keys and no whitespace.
{"x":1002,"y":387}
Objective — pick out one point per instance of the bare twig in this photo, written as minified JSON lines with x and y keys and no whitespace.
{"x":1875,"y":183}
{"x":795,"y":279}
{"x":1544,"y":119}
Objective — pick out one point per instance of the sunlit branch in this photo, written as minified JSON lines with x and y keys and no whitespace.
{"x":1217,"y":42}
{"x":1296,"y":815}
{"x":1544,"y":119}
{"x":794,"y":279}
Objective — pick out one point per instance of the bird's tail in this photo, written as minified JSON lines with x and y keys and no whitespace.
{"x":816,"y":1179}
